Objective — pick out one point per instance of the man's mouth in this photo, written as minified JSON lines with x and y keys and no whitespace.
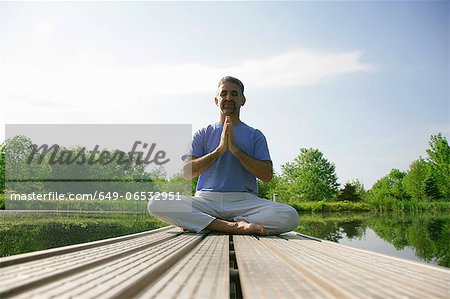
{"x":228,"y":109}
{"x":228,"y":106}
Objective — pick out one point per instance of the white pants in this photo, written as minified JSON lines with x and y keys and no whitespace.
{"x":195,"y":213}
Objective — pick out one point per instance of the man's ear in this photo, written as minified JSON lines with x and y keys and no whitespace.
{"x":243,"y":100}
{"x":216,"y":101}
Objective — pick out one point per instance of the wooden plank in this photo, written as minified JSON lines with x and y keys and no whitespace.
{"x":403,"y":275}
{"x":334,"y":270}
{"x":32,"y":256}
{"x":168,"y":264}
{"x":17,"y":278}
{"x":203,"y":273}
{"x":263,"y":274}
{"x":121,"y":277}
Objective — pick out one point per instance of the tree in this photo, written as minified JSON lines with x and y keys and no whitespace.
{"x":263,"y":189}
{"x":439,"y":161}
{"x":267,"y":189}
{"x":17,"y":167}
{"x":2,"y":168}
{"x":431,"y":189}
{"x":360,"y":190}
{"x":194,"y":183}
{"x":348,"y":193}
{"x":414,"y":181}
{"x":389,"y":189}
{"x":309,"y":177}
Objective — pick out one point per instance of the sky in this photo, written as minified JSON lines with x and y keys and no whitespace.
{"x":366,"y":83}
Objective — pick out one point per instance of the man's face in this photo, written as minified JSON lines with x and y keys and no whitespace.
{"x":229,"y":98}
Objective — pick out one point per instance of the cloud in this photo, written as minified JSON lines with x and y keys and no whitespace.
{"x":51,"y":104}
{"x":107,"y":84}
{"x":301,"y":68}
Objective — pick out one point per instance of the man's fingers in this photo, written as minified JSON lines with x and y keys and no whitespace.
{"x":227,"y":128}
{"x":225,"y":131}
{"x":230,"y":132}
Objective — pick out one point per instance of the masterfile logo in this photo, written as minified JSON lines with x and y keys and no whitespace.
{"x":91,"y":163}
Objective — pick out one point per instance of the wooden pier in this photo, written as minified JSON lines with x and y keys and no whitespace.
{"x":166,"y":263}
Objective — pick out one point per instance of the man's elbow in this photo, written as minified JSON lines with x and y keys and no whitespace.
{"x":267,"y":173}
{"x":186,"y":176}
{"x":267,"y":177}
{"x":187,"y":172}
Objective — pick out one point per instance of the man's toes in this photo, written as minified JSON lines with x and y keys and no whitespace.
{"x":262,"y":231}
{"x":258,"y":229}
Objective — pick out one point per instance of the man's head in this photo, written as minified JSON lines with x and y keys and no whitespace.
{"x":230,"y":96}
{"x":232,"y":80}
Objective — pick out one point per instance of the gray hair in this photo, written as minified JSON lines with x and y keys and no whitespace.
{"x":232,"y":80}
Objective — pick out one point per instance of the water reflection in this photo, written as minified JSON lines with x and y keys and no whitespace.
{"x":28,"y":231}
{"x":423,"y":237}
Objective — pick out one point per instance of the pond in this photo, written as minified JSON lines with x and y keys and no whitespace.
{"x":423,"y":237}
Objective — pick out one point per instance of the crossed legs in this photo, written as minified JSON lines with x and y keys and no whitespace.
{"x":228,"y":212}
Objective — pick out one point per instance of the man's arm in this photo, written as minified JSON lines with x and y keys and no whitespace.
{"x":194,"y":166}
{"x":263,"y":170}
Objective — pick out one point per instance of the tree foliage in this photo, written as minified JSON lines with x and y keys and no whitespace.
{"x":28,"y":171}
{"x":389,"y":189}
{"x":16,"y":167}
{"x":431,"y":188}
{"x":426,"y":179}
{"x":348,"y":193}
{"x":2,"y":168}
{"x":309,"y":177}
{"x":415,"y":179}
{"x":268,"y":189}
{"x":439,"y":162}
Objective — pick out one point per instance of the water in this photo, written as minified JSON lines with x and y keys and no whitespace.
{"x":22,"y":232}
{"x":418,"y":237}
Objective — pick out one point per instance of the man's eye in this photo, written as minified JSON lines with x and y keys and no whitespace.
{"x":234,"y":94}
{"x":223,"y":93}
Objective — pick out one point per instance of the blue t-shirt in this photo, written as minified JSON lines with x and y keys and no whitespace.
{"x":227,"y":174}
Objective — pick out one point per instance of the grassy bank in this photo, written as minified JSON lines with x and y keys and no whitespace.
{"x":27,"y":232}
{"x":343,"y":206}
{"x":324,"y":206}
{"x":412,"y":206}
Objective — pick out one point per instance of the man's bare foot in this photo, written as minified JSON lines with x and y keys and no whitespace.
{"x":251,"y":228}
{"x":238,"y":228}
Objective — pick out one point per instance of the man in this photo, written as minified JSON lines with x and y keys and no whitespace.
{"x":228,"y":156}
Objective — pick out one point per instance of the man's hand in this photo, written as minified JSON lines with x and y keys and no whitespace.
{"x":223,"y":145}
{"x":194,"y":166}
{"x":260,"y":169}
{"x":230,"y":137}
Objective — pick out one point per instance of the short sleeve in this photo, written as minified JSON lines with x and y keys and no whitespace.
{"x":261,"y":149}
{"x":197,"y":148}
